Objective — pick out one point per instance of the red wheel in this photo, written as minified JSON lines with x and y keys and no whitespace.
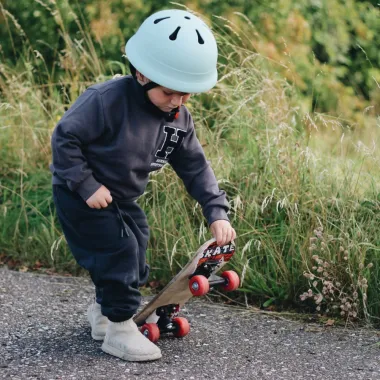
{"x":151,"y":331}
{"x":199,"y":285}
{"x":183,"y":327}
{"x":232,"y":280}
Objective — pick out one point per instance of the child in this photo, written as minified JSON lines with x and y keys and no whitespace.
{"x":104,"y":148}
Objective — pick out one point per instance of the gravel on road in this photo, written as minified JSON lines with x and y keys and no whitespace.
{"x":44,"y":334}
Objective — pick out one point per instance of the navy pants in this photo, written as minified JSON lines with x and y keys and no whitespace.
{"x":111,"y":244}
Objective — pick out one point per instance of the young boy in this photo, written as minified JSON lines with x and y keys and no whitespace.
{"x":104,"y":148}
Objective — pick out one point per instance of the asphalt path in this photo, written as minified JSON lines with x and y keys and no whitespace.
{"x":44,"y":334}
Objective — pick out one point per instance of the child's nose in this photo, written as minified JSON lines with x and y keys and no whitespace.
{"x":177,"y":100}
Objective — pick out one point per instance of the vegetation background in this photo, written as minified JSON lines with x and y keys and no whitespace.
{"x":291,"y":130}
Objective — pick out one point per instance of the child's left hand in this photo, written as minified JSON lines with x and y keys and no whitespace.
{"x":222,"y":232}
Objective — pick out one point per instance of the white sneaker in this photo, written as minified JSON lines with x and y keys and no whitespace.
{"x":98,"y":321}
{"x":124,"y":340}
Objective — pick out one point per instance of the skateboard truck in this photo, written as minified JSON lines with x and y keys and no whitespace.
{"x":179,"y":326}
{"x":165,"y":321}
{"x":199,"y":283}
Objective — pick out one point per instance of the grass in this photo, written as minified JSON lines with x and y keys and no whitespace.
{"x":287,"y":172}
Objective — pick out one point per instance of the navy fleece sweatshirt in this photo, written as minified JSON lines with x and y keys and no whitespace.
{"x":111,"y":137}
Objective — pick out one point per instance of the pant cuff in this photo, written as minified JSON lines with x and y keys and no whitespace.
{"x":119,"y":318}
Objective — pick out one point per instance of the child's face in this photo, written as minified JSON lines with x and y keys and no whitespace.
{"x":166,"y":99}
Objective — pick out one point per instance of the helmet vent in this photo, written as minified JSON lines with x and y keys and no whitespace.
{"x":187,"y":17}
{"x":160,"y":19}
{"x":200,"y":39}
{"x":173,"y":36}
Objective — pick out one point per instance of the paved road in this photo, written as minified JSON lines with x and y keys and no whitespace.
{"x":44,"y":335}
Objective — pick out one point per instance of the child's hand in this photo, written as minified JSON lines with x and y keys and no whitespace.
{"x":100,"y":199}
{"x":222,"y":232}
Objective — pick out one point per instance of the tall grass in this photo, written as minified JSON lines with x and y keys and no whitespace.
{"x":289,"y":174}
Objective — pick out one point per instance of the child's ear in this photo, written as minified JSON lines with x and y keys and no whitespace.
{"x":142,"y":78}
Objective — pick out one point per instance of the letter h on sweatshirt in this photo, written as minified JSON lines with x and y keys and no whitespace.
{"x":173,"y":138}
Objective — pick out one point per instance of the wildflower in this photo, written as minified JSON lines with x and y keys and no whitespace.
{"x":318,"y":299}
{"x":309,"y":276}
{"x":370,"y":265}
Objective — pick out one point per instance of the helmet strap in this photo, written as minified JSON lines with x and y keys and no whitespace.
{"x":149,"y":86}
{"x":169,"y":116}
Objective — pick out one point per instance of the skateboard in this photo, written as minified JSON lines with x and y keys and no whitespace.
{"x":161,"y":314}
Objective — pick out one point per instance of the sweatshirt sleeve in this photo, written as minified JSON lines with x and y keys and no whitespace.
{"x":80,"y":125}
{"x":190,"y":164}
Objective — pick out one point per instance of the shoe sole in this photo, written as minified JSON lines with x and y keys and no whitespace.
{"x":129,"y":357}
{"x":97,"y":337}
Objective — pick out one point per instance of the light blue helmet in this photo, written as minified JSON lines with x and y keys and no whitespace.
{"x":175,"y":49}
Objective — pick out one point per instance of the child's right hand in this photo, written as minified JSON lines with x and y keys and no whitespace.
{"x":100,"y":199}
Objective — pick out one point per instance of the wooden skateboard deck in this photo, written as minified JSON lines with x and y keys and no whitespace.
{"x":208,"y":260}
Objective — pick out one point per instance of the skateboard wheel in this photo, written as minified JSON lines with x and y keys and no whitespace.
{"x":182,"y":325}
{"x":151,"y":331}
{"x":232,"y":280}
{"x":199,"y":285}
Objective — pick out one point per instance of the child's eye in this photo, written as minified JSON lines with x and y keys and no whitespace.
{"x":167,"y":93}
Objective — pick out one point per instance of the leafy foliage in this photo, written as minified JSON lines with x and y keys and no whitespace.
{"x":292,"y":77}
{"x":330,"y":47}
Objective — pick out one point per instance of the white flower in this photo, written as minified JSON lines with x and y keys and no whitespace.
{"x":319,"y":299}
